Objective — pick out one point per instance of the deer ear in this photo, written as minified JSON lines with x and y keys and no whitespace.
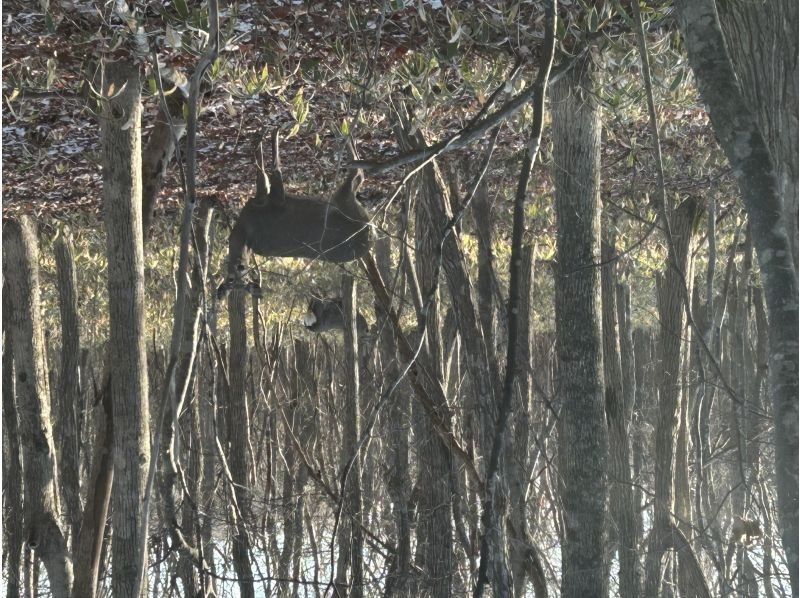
{"x":263,"y":187}
{"x":277,"y":196}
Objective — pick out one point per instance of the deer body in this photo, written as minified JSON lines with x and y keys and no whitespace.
{"x":279,"y":224}
{"x":302,"y":227}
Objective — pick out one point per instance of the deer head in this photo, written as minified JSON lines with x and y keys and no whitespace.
{"x":328,"y":314}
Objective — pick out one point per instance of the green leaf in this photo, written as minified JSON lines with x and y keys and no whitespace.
{"x":182,"y":8}
{"x":676,"y":82}
{"x":561,"y":30}
{"x":512,"y":14}
{"x":48,"y":22}
{"x":593,"y":20}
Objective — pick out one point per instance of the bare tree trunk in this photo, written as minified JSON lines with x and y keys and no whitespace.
{"x":351,"y":433}
{"x":12,"y":470}
{"x":158,"y":153}
{"x":42,"y":530}
{"x":618,"y":414}
{"x":482,"y":213}
{"x":122,"y":188}
{"x":762,"y":42}
{"x":89,"y":542}
{"x":396,"y":421}
{"x":583,"y":435}
{"x":740,"y":138}
{"x":673,"y":323}
{"x":434,"y":555}
{"x":517,"y":469}
{"x":69,"y":387}
{"x":288,"y":492}
{"x":238,"y":419}
{"x":629,"y":390}
{"x":183,"y":534}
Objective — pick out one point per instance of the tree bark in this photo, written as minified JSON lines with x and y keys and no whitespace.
{"x":762,"y":41}
{"x":398,"y":484}
{"x":122,"y":189}
{"x":89,"y":542}
{"x":12,"y":467}
{"x":618,"y":414}
{"x":435,"y":550}
{"x":743,"y":143}
{"x":69,"y":402}
{"x":521,"y":551}
{"x":672,"y":318}
{"x":42,"y":529}
{"x":238,"y":419}
{"x":583,"y":436}
{"x":351,"y":433}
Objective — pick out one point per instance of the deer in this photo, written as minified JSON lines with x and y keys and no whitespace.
{"x":275,"y":223}
{"x":328,"y":314}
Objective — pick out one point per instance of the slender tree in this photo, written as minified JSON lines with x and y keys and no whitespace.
{"x":238,"y":419}
{"x":68,"y":398}
{"x":618,"y":410}
{"x":43,"y":531}
{"x":122,"y":188}
{"x":742,"y":140}
{"x":351,"y":451}
{"x":583,"y":436}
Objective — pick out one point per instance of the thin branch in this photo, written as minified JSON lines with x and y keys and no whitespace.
{"x":662,"y":204}
{"x":472,"y":132}
{"x":490,"y":516}
{"x":169,"y":395}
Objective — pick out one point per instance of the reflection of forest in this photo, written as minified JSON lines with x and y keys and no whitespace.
{"x":547,"y":346}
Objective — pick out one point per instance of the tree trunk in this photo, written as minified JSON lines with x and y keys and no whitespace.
{"x":183,"y":535}
{"x":434,"y":556}
{"x":518,"y":467}
{"x":12,"y":468}
{"x":42,"y":530}
{"x":762,"y":41}
{"x":672,"y":318}
{"x":618,"y":411}
{"x":122,"y":189}
{"x":238,"y":419}
{"x":89,"y":542}
{"x":69,"y":402}
{"x":583,"y":436}
{"x":482,"y":215}
{"x":740,"y":138}
{"x":398,"y":484}
{"x":351,"y":455}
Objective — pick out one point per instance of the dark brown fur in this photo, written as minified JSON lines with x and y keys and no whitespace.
{"x":279,"y":224}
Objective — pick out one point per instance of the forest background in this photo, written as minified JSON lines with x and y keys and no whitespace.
{"x":568,"y":365}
